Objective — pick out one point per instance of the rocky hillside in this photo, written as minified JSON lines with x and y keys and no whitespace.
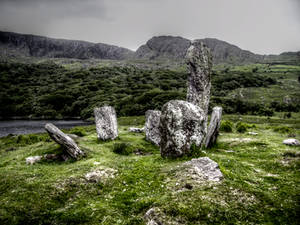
{"x":13,"y":44}
{"x":176,"y":47}
{"x":157,"y":48}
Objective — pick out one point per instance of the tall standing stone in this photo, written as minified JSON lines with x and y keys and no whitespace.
{"x":152,"y":126}
{"x":214,"y":126}
{"x":181,"y":126}
{"x":199,"y":61}
{"x":64,"y":140}
{"x":106,"y":123}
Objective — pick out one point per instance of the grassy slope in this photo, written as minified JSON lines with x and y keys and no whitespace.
{"x":288,"y":85}
{"x":261,"y":185}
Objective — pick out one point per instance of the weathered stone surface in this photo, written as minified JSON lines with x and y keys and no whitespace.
{"x":101,"y":174}
{"x":291,"y":141}
{"x":33,"y":159}
{"x":214,"y":126}
{"x":181,"y":125}
{"x":136,"y":129}
{"x":65,"y":141}
{"x":106,"y":123}
{"x":152,"y":217}
{"x":205,"y":169}
{"x":152,"y":126}
{"x":199,"y":61}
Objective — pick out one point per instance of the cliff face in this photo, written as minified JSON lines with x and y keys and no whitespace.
{"x":12,"y":44}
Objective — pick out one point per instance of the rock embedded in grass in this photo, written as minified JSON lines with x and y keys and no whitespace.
{"x":101,"y":174}
{"x":152,"y":126}
{"x":68,"y":144}
{"x":181,"y":126}
{"x":106,"y":123}
{"x":136,"y":129}
{"x":205,"y":169}
{"x":292,"y":142}
{"x":33,"y":159}
{"x":214,"y":126}
{"x":199,"y":61}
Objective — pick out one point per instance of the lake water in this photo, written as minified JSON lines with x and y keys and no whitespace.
{"x":35,"y":126}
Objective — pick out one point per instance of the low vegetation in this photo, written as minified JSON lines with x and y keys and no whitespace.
{"x":48,"y":90}
{"x":260,"y":186}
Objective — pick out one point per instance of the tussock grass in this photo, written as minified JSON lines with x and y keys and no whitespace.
{"x":260,"y":186}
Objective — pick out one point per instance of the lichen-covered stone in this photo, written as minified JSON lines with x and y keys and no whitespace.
{"x":199,"y":61}
{"x":181,"y":125}
{"x":206,"y":169}
{"x":214,"y":126}
{"x":106,"y":123}
{"x":68,"y":144}
{"x":152,"y":126}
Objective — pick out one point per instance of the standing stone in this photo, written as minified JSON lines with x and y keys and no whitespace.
{"x":199,"y":61}
{"x":106,"y":123}
{"x":64,"y":140}
{"x":214,"y":126}
{"x":152,"y":126}
{"x":181,"y":125}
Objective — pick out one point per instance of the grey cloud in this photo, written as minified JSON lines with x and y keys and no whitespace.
{"x":261,"y":26}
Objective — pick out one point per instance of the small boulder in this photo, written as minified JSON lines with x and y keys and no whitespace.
{"x":181,"y":126}
{"x":214,"y":126}
{"x":152,"y":126}
{"x":206,"y":169}
{"x":292,"y":142}
{"x":106,"y":123}
{"x":65,"y":141}
{"x":136,"y":129}
{"x":101,"y":174}
{"x":33,"y":159}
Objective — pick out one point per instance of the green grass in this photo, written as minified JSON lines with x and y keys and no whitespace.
{"x":260,"y":186}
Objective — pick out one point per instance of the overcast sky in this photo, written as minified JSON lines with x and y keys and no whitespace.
{"x":261,"y":26}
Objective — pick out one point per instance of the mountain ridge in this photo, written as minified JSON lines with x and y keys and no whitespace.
{"x":156,"y":48}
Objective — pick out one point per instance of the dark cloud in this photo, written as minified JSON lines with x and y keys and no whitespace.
{"x":262,"y":26}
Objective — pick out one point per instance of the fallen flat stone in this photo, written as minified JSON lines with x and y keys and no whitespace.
{"x":181,"y":126}
{"x":206,"y":169}
{"x":292,"y":142}
{"x":152,"y":126}
{"x":68,"y":144}
{"x":214,"y":126}
{"x":106,"y":123}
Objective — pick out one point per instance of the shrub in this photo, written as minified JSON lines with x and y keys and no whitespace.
{"x":226,"y":126}
{"x":283,"y":129}
{"x":79,"y":131}
{"x":122,"y":148}
{"x":241,"y":127}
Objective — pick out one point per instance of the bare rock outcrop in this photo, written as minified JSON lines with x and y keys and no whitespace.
{"x":181,"y":126}
{"x":214,"y":126}
{"x":65,"y":141}
{"x":106,"y":123}
{"x":152,"y":126}
{"x":199,"y":61}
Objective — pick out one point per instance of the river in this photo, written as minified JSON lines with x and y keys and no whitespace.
{"x":35,"y":126}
